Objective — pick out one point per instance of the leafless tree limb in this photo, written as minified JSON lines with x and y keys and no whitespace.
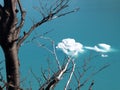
{"x":55,"y":78}
{"x":79,"y":74}
{"x":13,"y":32}
{"x":64,"y":69}
{"x":52,"y":15}
{"x":94,"y":73}
{"x":23,"y":13}
{"x":36,"y":78}
{"x":8,"y":84}
{"x":70,"y":77}
{"x":51,"y":51}
{"x":39,"y":10}
{"x":91,"y":85}
{"x":44,"y":75}
{"x":38,"y":36}
{"x":56,"y":58}
{"x":85,"y":67}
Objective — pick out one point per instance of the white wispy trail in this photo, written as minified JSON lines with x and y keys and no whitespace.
{"x":72,"y":48}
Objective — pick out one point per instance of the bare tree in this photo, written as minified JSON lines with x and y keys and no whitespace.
{"x":11,"y":40}
{"x":68,"y":67}
{"x":10,"y":29}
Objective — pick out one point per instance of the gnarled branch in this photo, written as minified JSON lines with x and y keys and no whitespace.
{"x":22,"y":17}
{"x":54,"y":13}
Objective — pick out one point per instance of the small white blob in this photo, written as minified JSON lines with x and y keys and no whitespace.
{"x":104,"y":46}
{"x":70,"y":47}
{"x":54,"y":17}
{"x":104,"y":55}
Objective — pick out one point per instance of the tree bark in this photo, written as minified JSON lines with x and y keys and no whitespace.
{"x":12,"y":67}
{"x":8,"y":42}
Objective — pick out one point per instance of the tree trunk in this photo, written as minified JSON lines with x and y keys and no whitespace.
{"x":12,"y":67}
{"x":8,"y":42}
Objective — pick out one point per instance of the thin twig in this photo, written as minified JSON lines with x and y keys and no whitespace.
{"x":91,"y":85}
{"x":23,"y":13}
{"x":38,"y":36}
{"x":94,"y":73}
{"x":78,"y":81}
{"x":51,"y":51}
{"x":36,"y":78}
{"x":52,"y":15}
{"x":56,"y":58}
{"x":43,"y":74}
{"x":70,"y":77}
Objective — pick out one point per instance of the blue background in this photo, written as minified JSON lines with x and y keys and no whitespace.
{"x":97,"y":21}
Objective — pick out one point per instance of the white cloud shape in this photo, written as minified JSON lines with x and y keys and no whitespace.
{"x":102,"y":47}
{"x":70,"y":47}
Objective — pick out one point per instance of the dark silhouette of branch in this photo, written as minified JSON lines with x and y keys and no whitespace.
{"x":22,"y":17}
{"x":53,"y":51}
{"x":91,"y":85}
{"x":44,"y":75}
{"x":94,"y":73}
{"x":85,"y":68}
{"x":10,"y":41}
{"x":55,"y":78}
{"x":52,"y":15}
{"x":36,"y":78}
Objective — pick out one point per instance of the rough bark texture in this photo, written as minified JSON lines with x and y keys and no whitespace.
{"x":10,"y":40}
{"x":8,"y":37}
{"x":12,"y":67}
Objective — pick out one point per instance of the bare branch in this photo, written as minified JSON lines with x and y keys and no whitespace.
{"x":44,"y":76}
{"x":60,"y":4}
{"x":9,"y":85}
{"x":84,"y":68}
{"x":43,"y":46}
{"x":52,"y":15}
{"x":63,"y":14}
{"x":56,"y":58}
{"x":23,"y":13}
{"x":36,"y":78}
{"x":70,"y":77}
{"x":39,"y":10}
{"x":55,"y":77}
{"x":51,"y":51}
{"x":38,"y":36}
{"x":94,"y":73}
{"x":91,"y":85}
{"x":64,"y":69}
{"x":26,"y":34}
{"x":78,"y":81}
